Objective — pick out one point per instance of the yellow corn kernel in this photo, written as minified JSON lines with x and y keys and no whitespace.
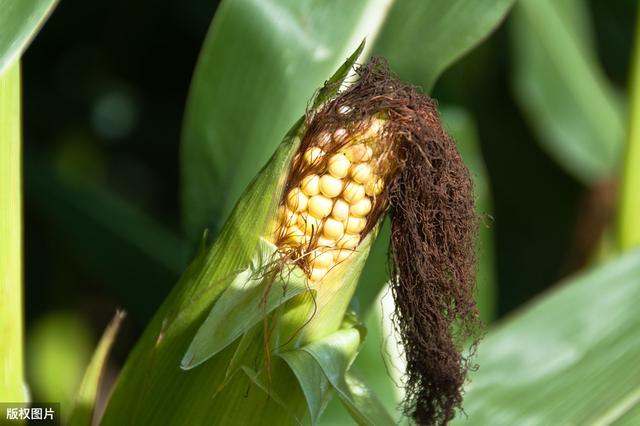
{"x":361,"y":173}
{"x":319,"y":206}
{"x":295,"y":237}
{"x":341,"y":255}
{"x":355,"y":225}
{"x":308,"y":224}
{"x":325,"y":243}
{"x":339,"y":134}
{"x":369,"y":154}
{"x":353,"y":192}
{"x":374,"y":129}
{"x":296,"y":200}
{"x":361,"y":208}
{"x":317,"y":274}
{"x":359,"y":152}
{"x":349,"y":241}
{"x":313,"y":155}
{"x":323,"y":219}
{"x":338,"y":165}
{"x":324,"y":139}
{"x":286,"y":217}
{"x":376,"y":126}
{"x":374,"y":187}
{"x":321,"y":259}
{"x":330,"y":186}
{"x":340,"y":210}
{"x":310,"y":185}
{"x":333,"y":229}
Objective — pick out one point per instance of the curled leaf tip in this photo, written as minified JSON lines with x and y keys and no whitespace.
{"x":187,"y":361}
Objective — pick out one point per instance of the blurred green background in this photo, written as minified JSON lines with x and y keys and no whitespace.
{"x":104,"y":90}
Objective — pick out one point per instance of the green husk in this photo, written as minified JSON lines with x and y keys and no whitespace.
{"x":238,"y":308}
{"x":325,"y":364}
{"x":152,"y":388}
{"x":335,"y":355}
{"x":314,"y":383}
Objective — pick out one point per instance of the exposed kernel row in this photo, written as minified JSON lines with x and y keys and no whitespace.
{"x":326,"y":213}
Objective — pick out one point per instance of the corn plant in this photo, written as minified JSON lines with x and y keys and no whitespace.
{"x":306,"y":200}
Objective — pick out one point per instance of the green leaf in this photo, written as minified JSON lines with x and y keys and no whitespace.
{"x":83,"y":410}
{"x":628,"y":224}
{"x":436,"y":33}
{"x":12,"y":387}
{"x":630,"y":418}
{"x":563,"y":90}
{"x":19,"y":23}
{"x":260,"y":64}
{"x":243,"y":304}
{"x":570,"y":358}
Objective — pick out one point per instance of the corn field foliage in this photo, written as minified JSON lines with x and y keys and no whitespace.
{"x":145,"y":152}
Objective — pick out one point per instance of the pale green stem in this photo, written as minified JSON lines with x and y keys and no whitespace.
{"x":11,"y":357}
{"x":629,"y":215}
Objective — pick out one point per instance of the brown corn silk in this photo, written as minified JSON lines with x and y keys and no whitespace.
{"x":428,"y":192}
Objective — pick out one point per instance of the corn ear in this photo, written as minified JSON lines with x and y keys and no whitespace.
{"x":232,"y":384}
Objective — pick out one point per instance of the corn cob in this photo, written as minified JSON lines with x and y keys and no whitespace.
{"x":334,"y":190}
